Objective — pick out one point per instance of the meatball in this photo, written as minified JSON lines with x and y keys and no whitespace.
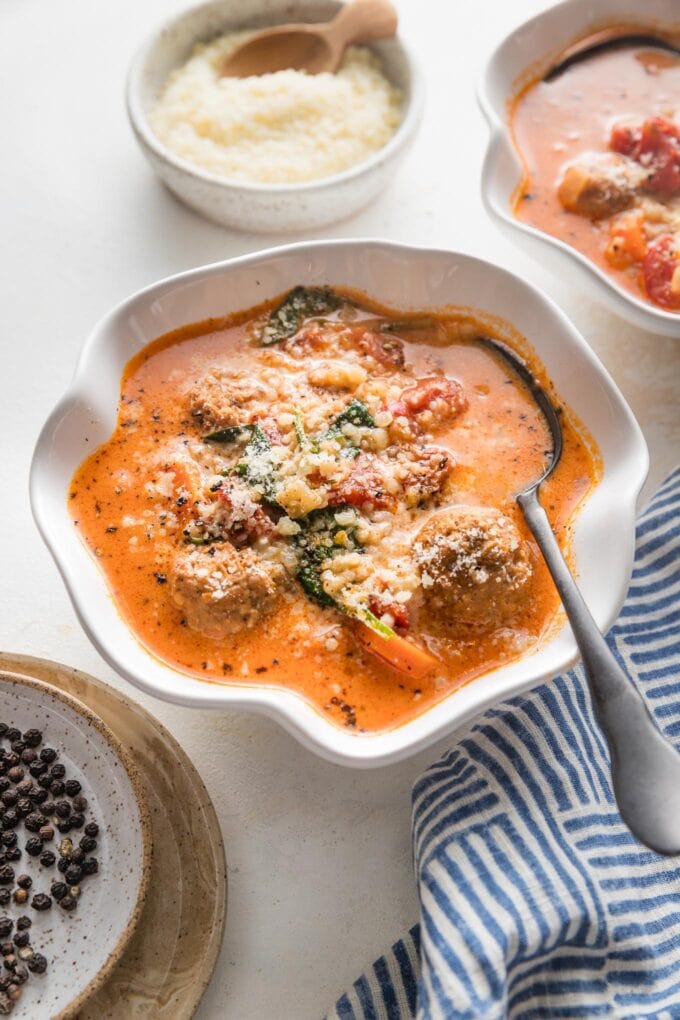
{"x":223,"y":399}
{"x":474,"y":569}
{"x":225,"y":592}
{"x":600,"y":189}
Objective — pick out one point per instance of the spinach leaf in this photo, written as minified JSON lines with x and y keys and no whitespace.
{"x":299,"y":304}
{"x":316,"y":545}
{"x":229,"y":435}
{"x":356,"y":413}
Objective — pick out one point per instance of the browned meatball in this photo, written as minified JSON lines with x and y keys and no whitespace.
{"x":222,"y":399}
{"x":474,"y":568}
{"x":231,"y":590}
{"x":598,"y":190}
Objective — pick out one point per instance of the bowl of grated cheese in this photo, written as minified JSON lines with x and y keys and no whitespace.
{"x":280,"y":152}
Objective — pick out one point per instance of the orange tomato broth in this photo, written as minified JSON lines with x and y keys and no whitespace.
{"x":553,"y":122}
{"x":349,"y":685}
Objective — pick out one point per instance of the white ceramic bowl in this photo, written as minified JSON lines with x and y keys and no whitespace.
{"x":256,"y":207}
{"x":523,"y":55}
{"x":398,"y":276}
{"x":82,"y":947}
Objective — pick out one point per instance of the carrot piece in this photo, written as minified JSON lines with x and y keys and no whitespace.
{"x":628,"y":241}
{"x":397,"y":652}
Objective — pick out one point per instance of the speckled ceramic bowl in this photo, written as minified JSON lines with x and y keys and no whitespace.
{"x":81,"y":947}
{"x":256,"y":207}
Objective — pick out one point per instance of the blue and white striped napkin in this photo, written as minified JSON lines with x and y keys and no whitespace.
{"x":536,"y":901}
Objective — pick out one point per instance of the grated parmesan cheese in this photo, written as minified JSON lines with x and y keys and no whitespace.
{"x":285,"y":127}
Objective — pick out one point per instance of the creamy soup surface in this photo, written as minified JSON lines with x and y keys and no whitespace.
{"x":317,"y":494}
{"x":601,"y":148}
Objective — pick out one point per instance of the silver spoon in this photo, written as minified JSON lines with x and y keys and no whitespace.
{"x":645,"y":766}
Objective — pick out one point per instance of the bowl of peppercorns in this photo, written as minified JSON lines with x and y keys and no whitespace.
{"x":75,"y":849}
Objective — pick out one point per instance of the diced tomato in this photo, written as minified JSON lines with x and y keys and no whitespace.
{"x":432,"y":466}
{"x":624,"y":139}
{"x":660,"y":265}
{"x":442,"y":396}
{"x":656,"y":147}
{"x":364,"y":485}
{"x":379,"y":605}
{"x":271,"y":429}
{"x":385,"y":349}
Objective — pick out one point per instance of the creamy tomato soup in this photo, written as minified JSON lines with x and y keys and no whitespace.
{"x":601,"y":146}
{"x":318,"y":494}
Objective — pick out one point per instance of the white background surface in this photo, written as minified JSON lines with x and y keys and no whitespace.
{"x":319,"y":857}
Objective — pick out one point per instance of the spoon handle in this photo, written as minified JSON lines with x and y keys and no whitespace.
{"x":363,"y":21}
{"x":645,"y":766}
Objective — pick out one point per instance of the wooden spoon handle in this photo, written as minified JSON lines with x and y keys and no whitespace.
{"x":362,"y":21}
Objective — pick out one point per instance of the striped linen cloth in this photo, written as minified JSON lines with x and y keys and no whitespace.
{"x":535,"y":900}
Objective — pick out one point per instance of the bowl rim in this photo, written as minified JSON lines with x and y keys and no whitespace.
{"x":414,"y":101}
{"x":500,"y":142}
{"x":289,"y":709}
{"x":8,"y":676}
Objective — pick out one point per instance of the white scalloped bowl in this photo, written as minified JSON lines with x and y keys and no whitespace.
{"x":523,"y":55}
{"x":399,"y":276}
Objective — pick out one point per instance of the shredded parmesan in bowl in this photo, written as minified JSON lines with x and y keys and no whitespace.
{"x":287,"y":127}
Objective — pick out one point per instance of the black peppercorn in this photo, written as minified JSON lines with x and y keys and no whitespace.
{"x":34,"y":821}
{"x":77,"y":821}
{"x":80,"y":803}
{"x":48,"y":754}
{"x":72,"y":787}
{"x":10,"y":961}
{"x":13,"y":734}
{"x":6,"y":874}
{"x":41,"y":901}
{"x":39,"y":796}
{"x":8,"y":838}
{"x":34,"y":846}
{"x":91,"y":829}
{"x":47,"y":858}
{"x":10,"y":819}
{"x":59,"y":890}
{"x":3,"y":729}
{"x":24,"y":881}
{"x":28,"y":755}
{"x":4,"y":897}
{"x":24,"y":807}
{"x":37,"y":964}
{"x":20,"y":973}
{"x":48,"y":808}
{"x":18,"y":747}
{"x":24,"y":787}
{"x":78,"y":856}
{"x":62,"y":864}
{"x":16,"y":774}
{"x":56,"y":787}
{"x":32,"y":738}
{"x":6,"y":949}
{"x":64,"y":826}
{"x":58,"y":771}
{"x":23,"y":922}
{"x":6,"y":925}
{"x":90,"y":866}
{"x":68,"y":903}
{"x":4,"y":784}
{"x":44,"y":781}
{"x":62,"y":809}
{"x":9,"y":798}
{"x":73,"y":874}
{"x":11,"y":759}
{"x":12,"y":853}
{"x":37,"y":768}
{"x":22,"y":938}
{"x":88,"y":844}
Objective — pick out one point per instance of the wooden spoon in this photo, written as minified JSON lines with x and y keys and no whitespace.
{"x":312,"y":48}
